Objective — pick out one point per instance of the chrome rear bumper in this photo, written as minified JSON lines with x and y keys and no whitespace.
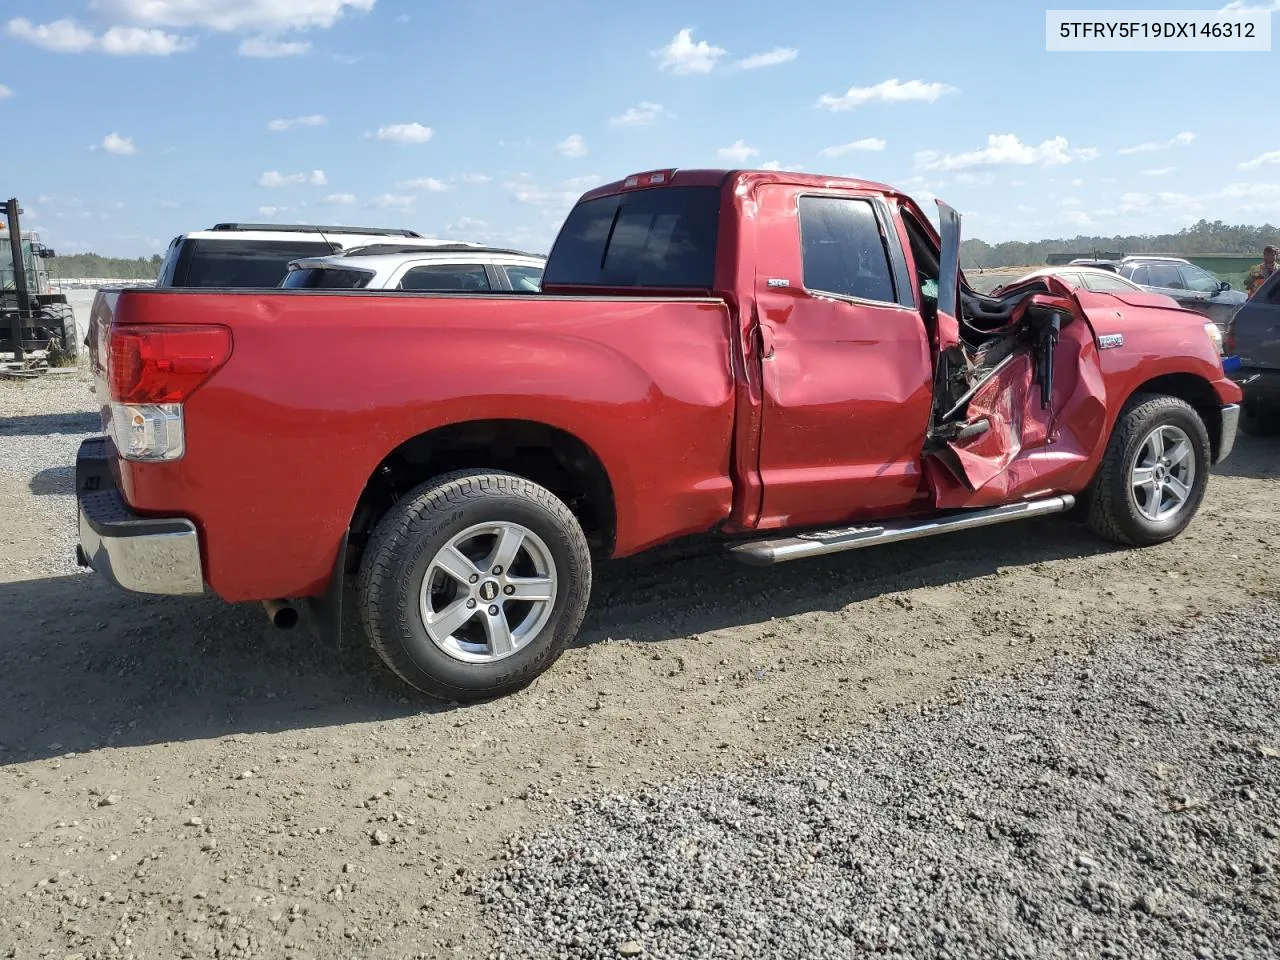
{"x":142,"y":554}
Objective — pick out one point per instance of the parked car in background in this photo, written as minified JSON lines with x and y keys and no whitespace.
{"x":1100,"y":264}
{"x":1193,"y":287}
{"x":390,"y":266}
{"x":1098,"y":280}
{"x":256,"y":255}
{"x":1253,"y":336}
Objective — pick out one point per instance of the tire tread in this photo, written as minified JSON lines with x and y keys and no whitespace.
{"x":405,"y":521}
{"x":1105,"y":515}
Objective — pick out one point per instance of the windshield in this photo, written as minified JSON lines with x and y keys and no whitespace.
{"x":660,"y":238}
{"x":8,"y":280}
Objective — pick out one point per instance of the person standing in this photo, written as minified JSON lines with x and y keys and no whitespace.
{"x":1259,"y":272}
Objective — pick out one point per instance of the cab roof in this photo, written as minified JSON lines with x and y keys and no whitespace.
{"x":716,"y":177}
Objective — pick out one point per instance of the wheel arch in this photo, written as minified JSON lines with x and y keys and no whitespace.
{"x":1192,"y":389}
{"x":548,"y":455}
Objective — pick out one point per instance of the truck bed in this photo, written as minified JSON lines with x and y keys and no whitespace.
{"x":321,"y":387}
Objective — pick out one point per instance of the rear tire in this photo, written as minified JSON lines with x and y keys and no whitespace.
{"x":60,"y":318}
{"x":1153,"y":474}
{"x":474,"y":584}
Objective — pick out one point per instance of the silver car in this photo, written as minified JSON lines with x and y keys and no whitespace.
{"x":456,"y":268}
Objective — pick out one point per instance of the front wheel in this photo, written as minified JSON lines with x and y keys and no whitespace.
{"x":1153,"y":474}
{"x":473,"y":584}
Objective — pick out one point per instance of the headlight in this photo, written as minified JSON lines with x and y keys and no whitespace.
{"x":1215,"y":335}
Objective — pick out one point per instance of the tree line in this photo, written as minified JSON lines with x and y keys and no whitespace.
{"x":1200,"y":239}
{"x":71,"y":265}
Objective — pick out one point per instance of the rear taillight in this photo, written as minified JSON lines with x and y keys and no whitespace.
{"x":151,"y":371}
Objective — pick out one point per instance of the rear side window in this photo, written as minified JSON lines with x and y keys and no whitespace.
{"x":662,"y":238}
{"x":241,"y":263}
{"x":1104,"y":284}
{"x":844,"y":251}
{"x":326,"y":278}
{"x":450,"y":276}
{"x":1165,"y":275}
{"x":528,"y":279}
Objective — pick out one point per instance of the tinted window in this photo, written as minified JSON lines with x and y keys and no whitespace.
{"x":1138,"y":275}
{"x":524,"y":278}
{"x":664,"y":237}
{"x":1199,"y":280}
{"x":446,"y":276}
{"x":1101,"y":283}
{"x":844,"y":252}
{"x":328,"y":278}
{"x":242,"y":263}
{"x":1165,"y":275}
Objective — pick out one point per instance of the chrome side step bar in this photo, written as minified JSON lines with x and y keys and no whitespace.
{"x":763,"y":553}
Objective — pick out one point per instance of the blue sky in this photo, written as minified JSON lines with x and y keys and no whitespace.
{"x":484,"y":120}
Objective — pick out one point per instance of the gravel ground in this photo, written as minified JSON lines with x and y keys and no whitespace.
{"x":41,"y":425}
{"x":1122,"y":804}
{"x":177,"y":779}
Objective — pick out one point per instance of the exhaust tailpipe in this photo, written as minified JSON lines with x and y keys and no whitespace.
{"x":281,"y":613}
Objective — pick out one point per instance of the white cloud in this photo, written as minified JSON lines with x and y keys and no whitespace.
{"x":475,"y":178}
{"x":68,"y":36}
{"x":1270,"y":158}
{"x":405,"y":133}
{"x":5,"y":92}
{"x":572,"y":146}
{"x":1077,"y":182}
{"x":469,"y":225}
{"x":776,"y":165}
{"x":272,"y":211}
{"x":429,"y":184}
{"x":1158,"y":171}
{"x":1005,"y":149}
{"x":273,"y":178}
{"x":1177,"y":140}
{"x":683,"y":56}
{"x":866,"y":143}
{"x":339,"y":199}
{"x":311,"y":120}
{"x":1267,"y":6}
{"x":61,"y":36}
{"x":554,"y":201}
{"x":641,"y":115}
{"x":392,"y":201}
{"x":737,"y":152}
{"x":118,"y":146}
{"x":135,"y":41}
{"x":887,"y":91}
{"x":770,"y":59}
{"x":233,"y":15}
{"x":265,"y":46}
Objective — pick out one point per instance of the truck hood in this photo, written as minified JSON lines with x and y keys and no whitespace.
{"x":1135,"y":298}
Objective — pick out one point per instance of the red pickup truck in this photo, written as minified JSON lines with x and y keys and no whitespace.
{"x":793,"y":364}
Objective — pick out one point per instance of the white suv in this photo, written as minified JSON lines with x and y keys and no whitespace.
{"x":255,"y":255}
{"x":455,"y":268}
